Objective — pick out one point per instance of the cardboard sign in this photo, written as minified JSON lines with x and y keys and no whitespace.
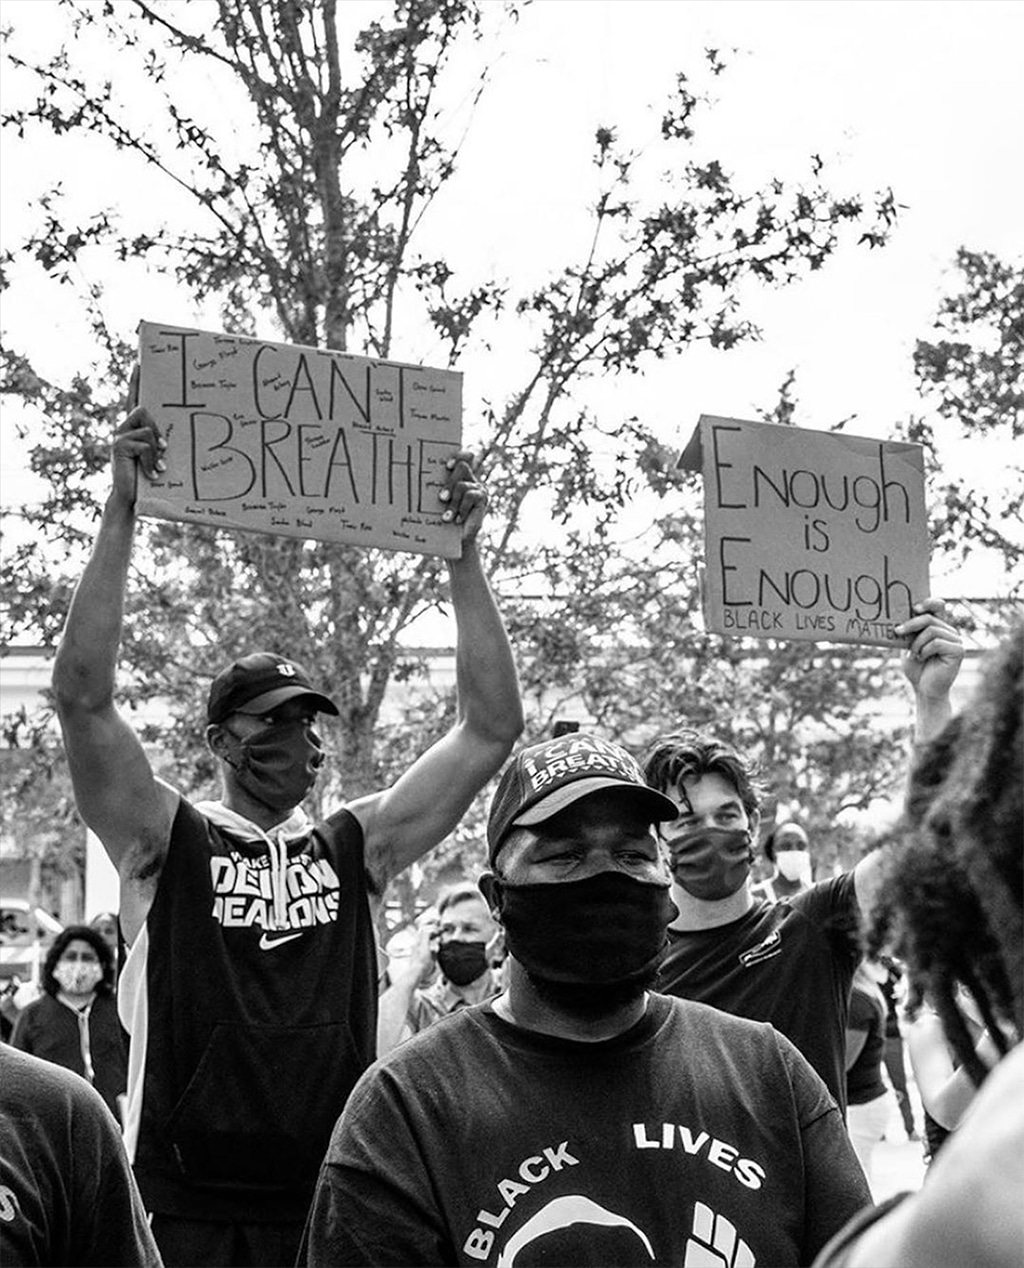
{"x":304,"y":442}
{"x":809,"y":535}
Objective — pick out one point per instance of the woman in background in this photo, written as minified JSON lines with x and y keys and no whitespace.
{"x":75,"y":1023}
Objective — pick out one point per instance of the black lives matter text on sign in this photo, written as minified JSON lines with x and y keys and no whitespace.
{"x":809,"y":535}
{"x":303,"y":442}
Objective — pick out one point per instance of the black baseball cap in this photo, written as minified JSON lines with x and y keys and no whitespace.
{"x":543,"y":779}
{"x":258,"y":683}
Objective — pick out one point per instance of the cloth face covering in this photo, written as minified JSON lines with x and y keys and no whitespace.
{"x":462,"y":962}
{"x":712,"y":863}
{"x":76,"y":978}
{"x":278,"y":766}
{"x":606,"y":930}
{"x":794,"y":865}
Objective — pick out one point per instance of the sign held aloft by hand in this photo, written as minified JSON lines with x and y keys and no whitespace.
{"x":302,"y":442}
{"x":809,"y":535}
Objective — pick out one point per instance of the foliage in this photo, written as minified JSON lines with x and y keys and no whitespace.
{"x":625,"y":647}
{"x":37,"y":812}
{"x":296,"y":204}
{"x":972,"y":377}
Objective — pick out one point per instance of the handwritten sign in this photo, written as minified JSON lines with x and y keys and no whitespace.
{"x":809,"y":535}
{"x":303,"y":442}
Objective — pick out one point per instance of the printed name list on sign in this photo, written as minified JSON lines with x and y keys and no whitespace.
{"x":809,"y":535}
{"x":302,"y":442}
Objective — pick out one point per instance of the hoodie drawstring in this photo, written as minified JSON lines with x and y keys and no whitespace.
{"x":279,"y":883}
{"x":295,"y":827}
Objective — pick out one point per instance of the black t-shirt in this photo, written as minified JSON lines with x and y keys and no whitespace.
{"x":67,"y":1195}
{"x":692,"y":1138}
{"x":789,"y":963}
{"x":864,"y":1080}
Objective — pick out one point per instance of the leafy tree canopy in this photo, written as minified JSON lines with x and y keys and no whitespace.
{"x":294,"y":207}
{"x":971,"y":378}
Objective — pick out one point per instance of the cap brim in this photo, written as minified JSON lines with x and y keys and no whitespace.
{"x":659,"y":806}
{"x":271,"y":699}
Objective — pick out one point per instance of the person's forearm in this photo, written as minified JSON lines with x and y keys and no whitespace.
{"x":488,"y":687}
{"x":85,"y":666}
{"x":930,"y":715}
{"x":393,"y":1011}
{"x":949,"y":1103}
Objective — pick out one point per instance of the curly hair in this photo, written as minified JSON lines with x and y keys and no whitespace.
{"x":83,"y":933}
{"x":684,"y":755}
{"x":951,"y":901}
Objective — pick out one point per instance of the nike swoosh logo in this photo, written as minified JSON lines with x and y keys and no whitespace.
{"x":268,"y":942}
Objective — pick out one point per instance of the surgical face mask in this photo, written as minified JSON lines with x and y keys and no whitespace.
{"x":77,"y":977}
{"x":712,"y":863}
{"x":278,"y":766}
{"x":606,"y":931}
{"x":462,"y":962}
{"x":794,"y":865}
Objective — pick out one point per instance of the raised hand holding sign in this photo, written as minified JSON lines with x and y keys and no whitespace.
{"x":299,"y":441}
{"x":809,"y":535}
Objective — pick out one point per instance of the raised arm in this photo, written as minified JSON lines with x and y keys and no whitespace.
{"x":393,"y":1006}
{"x":427,"y":801}
{"x":946,"y":1089}
{"x":931,"y":664}
{"x":115,"y":790}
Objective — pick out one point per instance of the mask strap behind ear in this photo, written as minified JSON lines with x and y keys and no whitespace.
{"x":235,"y":766}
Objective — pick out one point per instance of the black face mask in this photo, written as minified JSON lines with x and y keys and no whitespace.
{"x":462,"y":962}
{"x":606,"y":931}
{"x":278,"y":766}
{"x":712,"y":863}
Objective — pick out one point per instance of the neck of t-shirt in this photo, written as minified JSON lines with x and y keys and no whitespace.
{"x":702,"y":913}
{"x":642,"y":1030}
{"x":524,"y":1007}
{"x":77,"y":1002}
{"x":785,"y":888}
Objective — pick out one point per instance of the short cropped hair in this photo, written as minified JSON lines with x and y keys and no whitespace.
{"x":79,"y":933}
{"x":684,"y":755}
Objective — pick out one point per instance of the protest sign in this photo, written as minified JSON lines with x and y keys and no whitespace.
{"x":303,"y":442}
{"x":809,"y":535}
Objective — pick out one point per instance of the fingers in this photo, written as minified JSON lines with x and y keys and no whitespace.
{"x":429,"y":935}
{"x":464,"y":496}
{"x":929,"y":633}
{"x":926,"y":612}
{"x":937,"y":642}
{"x":138,"y":439}
{"x":426,"y":946}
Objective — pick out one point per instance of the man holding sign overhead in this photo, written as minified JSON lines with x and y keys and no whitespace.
{"x":809,"y":536}
{"x":789,"y":962}
{"x":250,"y":986}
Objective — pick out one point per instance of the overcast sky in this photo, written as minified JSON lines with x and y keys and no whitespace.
{"x":922,"y":96}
